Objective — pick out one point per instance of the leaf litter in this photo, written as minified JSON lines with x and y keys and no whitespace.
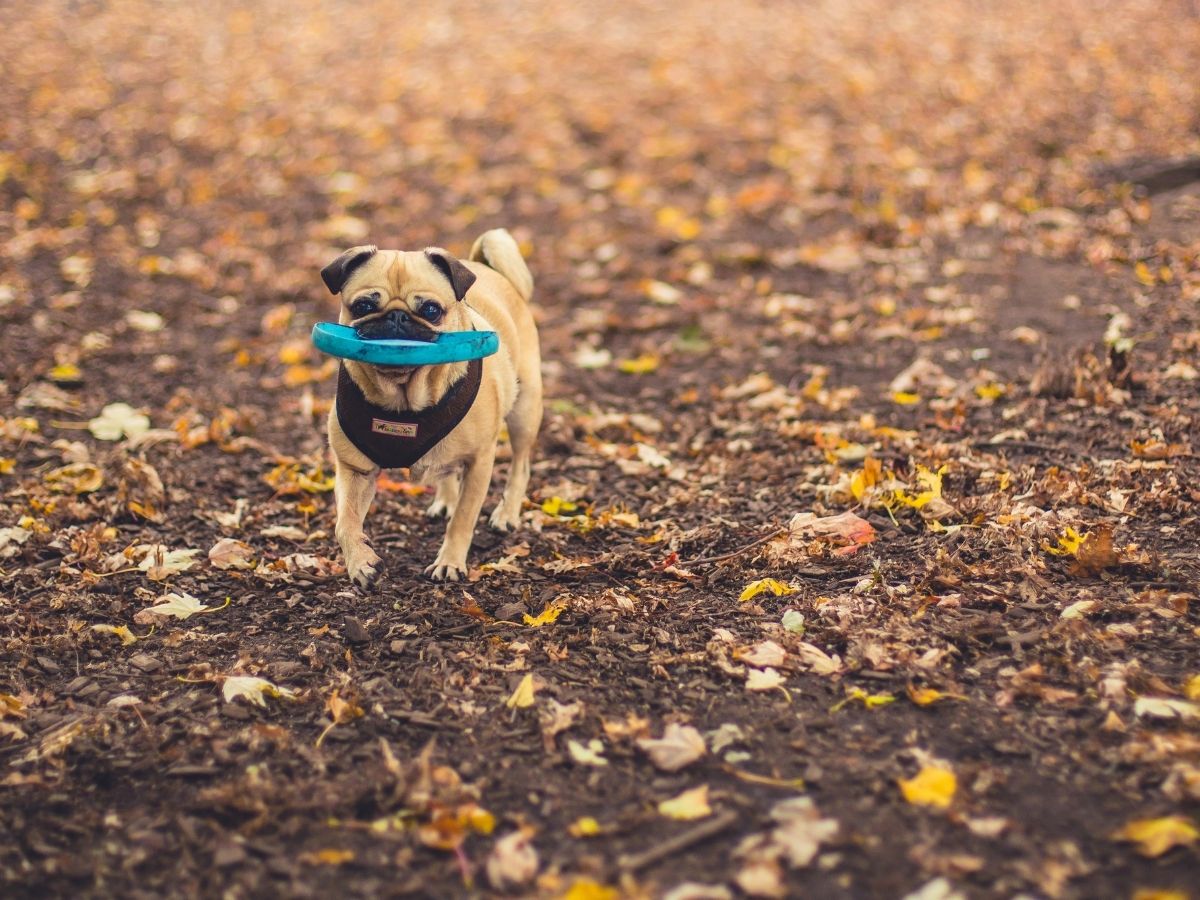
{"x":951,"y":347}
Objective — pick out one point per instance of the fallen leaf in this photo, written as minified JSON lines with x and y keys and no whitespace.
{"x":588,"y":357}
{"x":76,"y":478}
{"x":228,"y":553}
{"x":176,"y":606}
{"x":763,"y":680}
{"x":846,"y":531}
{"x":523,"y":695}
{"x":118,"y":420}
{"x":513,"y":861}
{"x":691,"y":804}
{"x":793,"y":621}
{"x":870,"y":701}
{"x":1155,"y":837}
{"x":640,"y":365}
{"x":762,"y":655}
{"x":589,"y":754}
{"x":763,"y":586}
{"x":127,"y":637}
{"x":817,"y":660}
{"x":585,"y":826}
{"x":547,"y":616}
{"x":160,"y":563}
{"x":253,"y":689}
{"x":801,"y":830}
{"x":327,"y":857}
{"x":587,"y":889}
{"x":1165,"y":708}
{"x":680,"y":746}
{"x":932,"y":786}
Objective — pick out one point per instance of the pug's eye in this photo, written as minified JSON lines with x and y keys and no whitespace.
{"x":429,"y":311}
{"x":364,"y":306}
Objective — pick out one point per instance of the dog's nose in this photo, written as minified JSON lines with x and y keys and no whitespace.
{"x":399,"y":317}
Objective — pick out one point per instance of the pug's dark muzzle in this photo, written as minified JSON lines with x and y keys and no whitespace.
{"x":395,"y":325}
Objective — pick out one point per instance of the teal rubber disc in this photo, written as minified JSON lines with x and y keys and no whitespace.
{"x":451,"y":346}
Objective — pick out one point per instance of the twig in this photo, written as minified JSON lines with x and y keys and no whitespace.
{"x":724,"y":556}
{"x":632,"y":862}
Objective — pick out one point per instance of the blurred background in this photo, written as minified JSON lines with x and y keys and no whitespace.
{"x":205,"y":159}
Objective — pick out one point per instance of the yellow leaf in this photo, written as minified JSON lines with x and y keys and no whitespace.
{"x":870,"y":701}
{"x":930,"y":481}
{"x":1156,"y":836}
{"x":294,"y":352}
{"x":1152,"y":894}
{"x":7,"y":465}
{"x":989,"y":391}
{"x":677,"y":222}
{"x":763,"y":586}
{"x":865,"y":479}
{"x":691,"y":804}
{"x":929,"y":696}
{"x":1143,"y":274}
{"x":641,"y":365}
{"x":328,"y":857}
{"x":932,"y":786}
{"x":523,"y":695}
{"x":905,"y":398}
{"x":1191,"y":690}
{"x":76,"y":478}
{"x":66,"y":373}
{"x":583,"y":827}
{"x":556,"y":506}
{"x":586,"y":889}
{"x":1068,"y":544}
{"x":546,"y":616}
{"x":480,"y":820}
{"x":127,"y":637}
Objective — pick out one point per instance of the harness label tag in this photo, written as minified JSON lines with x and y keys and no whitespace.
{"x":394,"y":429}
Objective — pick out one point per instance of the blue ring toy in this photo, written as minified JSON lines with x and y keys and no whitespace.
{"x":451,"y":346}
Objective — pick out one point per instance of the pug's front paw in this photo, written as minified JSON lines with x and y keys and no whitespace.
{"x":441,"y":570}
{"x":362,"y":564}
{"x":504,"y":519}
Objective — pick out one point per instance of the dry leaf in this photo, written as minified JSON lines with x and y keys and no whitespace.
{"x":1155,"y":837}
{"x":691,"y":804}
{"x":513,"y":861}
{"x":253,"y":689}
{"x":680,"y":746}
{"x":228,"y":553}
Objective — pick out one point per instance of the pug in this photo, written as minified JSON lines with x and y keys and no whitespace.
{"x":442,"y":422}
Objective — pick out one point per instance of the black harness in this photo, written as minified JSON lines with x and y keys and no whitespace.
{"x":397,"y":439}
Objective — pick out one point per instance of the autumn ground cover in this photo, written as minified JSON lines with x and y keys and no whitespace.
{"x":862,"y":554}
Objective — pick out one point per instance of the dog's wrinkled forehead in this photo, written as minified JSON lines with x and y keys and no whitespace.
{"x":432,"y":272}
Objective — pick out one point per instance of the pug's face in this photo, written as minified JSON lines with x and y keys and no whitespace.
{"x":390,"y":294}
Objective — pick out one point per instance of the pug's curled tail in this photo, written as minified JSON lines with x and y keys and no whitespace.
{"x":497,"y":250}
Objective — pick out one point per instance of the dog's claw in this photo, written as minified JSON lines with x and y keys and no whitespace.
{"x":500,"y":521}
{"x":362,"y":566}
{"x":364,"y":576}
{"x":438,"y":509}
{"x":445,"y":572}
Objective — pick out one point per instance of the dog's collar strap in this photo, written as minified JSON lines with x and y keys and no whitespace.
{"x":398,"y":439}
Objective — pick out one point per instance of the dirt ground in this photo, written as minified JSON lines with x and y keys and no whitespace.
{"x":862,"y":551}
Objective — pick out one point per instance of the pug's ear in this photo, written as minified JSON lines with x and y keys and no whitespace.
{"x":460,"y":277}
{"x":337,"y":273}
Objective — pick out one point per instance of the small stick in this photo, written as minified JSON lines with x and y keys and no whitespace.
{"x":634,"y":861}
{"x":724,"y":556}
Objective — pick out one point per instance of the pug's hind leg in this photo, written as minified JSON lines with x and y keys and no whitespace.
{"x":445,"y":501}
{"x":354,"y":491}
{"x":523,"y":424}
